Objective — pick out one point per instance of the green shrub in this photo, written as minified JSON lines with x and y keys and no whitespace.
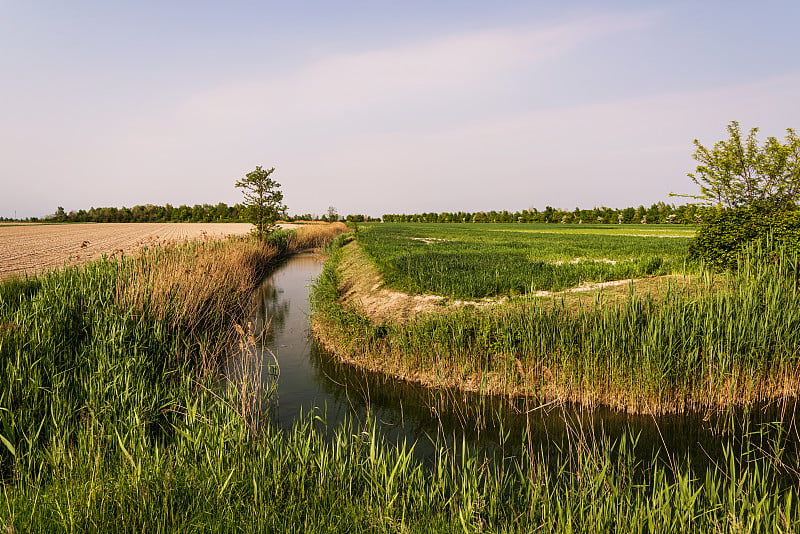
{"x":725,"y":232}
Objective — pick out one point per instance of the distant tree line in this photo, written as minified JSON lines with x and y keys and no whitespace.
{"x":656,"y":214}
{"x":152,"y":213}
{"x":220,"y":212}
{"x":361,"y":218}
{"x":659,"y":213}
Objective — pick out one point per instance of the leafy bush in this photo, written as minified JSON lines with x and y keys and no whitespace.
{"x":724,"y":232}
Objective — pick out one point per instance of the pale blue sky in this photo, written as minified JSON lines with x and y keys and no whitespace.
{"x":379,"y":107}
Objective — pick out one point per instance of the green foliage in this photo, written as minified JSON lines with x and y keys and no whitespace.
{"x":659,"y":213}
{"x":15,"y":289}
{"x":331,"y":215}
{"x":724,"y":233}
{"x":478,"y":261}
{"x":680,"y":349}
{"x":59,"y":215}
{"x":105,"y":425}
{"x":737,"y":172}
{"x":263,"y":199}
{"x":220,"y":212}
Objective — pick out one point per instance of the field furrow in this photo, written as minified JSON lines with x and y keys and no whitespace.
{"x":35,"y":248}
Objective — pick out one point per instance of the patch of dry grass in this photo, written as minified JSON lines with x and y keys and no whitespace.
{"x":208,"y":283}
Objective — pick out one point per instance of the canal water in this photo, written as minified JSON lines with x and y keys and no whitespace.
{"x":312,"y":382}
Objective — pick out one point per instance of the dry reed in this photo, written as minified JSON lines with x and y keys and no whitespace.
{"x":207,"y":284}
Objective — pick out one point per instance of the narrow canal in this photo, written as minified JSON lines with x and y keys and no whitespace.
{"x":313,"y":382}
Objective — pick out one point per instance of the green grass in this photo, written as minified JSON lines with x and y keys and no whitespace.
{"x":485,"y":260}
{"x":655,"y":230}
{"x":113,"y":419}
{"x":713,"y":345}
{"x":16,"y":288}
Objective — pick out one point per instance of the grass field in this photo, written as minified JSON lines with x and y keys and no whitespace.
{"x":718,"y":341}
{"x":486,"y":260}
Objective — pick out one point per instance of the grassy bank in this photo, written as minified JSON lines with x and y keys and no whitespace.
{"x":717,"y":343}
{"x":100,"y":360}
{"x":113,"y":418}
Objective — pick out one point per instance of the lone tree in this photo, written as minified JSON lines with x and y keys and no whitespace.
{"x":753,"y":190}
{"x":263,"y":199}
{"x":332,"y":215}
{"x":738,"y":173}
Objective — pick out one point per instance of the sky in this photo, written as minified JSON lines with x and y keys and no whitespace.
{"x":382,"y":107}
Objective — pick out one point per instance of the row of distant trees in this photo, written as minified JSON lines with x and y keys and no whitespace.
{"x":656,"y":214}
{"x":220,"y":212}
{"x":659,"y":213}
{"x":153,"y":213}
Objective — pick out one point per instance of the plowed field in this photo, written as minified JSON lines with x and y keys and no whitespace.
{"x":34,"y":248}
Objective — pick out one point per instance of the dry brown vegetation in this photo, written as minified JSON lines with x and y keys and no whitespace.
{"x":36,"y":248}
{"x":207,"y":281}
{"x":185,"y":275}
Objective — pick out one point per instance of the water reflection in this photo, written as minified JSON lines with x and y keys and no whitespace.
{"x":310,"y":379}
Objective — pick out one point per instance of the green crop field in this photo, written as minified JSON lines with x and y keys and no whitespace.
{"x":704,"y":341}
{"x":483,"y":260}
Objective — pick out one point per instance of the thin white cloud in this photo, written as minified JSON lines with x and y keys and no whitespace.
{"x":278,"y":120}
{"x":341,"y":83}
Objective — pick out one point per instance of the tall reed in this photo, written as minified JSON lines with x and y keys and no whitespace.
{"x":107,"y":425}
{"x":706,"y":347}
{"x":206,"y":285}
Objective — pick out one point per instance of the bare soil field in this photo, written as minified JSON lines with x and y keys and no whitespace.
{"x":35,"y":248}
